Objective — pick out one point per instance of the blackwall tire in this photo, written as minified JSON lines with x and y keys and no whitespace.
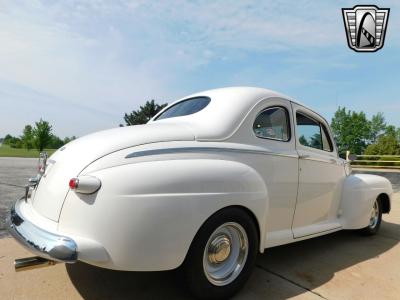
{"x":222,"y":255}
{"x":375,"y":220}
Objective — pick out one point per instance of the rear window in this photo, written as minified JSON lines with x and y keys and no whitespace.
{"x":185,"y":107}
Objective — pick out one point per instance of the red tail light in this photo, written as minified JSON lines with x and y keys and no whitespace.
{"x":85,"y":184}
{"x":73,"y":183}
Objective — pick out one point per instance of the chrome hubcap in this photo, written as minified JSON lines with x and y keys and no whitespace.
{"x":219,"y":249}
{"x":373,"y":221}
{"x":225,"y":254}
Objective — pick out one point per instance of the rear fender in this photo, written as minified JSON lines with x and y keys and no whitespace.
{"x":146,"y":214}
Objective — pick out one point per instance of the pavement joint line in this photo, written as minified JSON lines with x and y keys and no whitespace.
{"x":10,"y":184}
{"x":291,"y":281}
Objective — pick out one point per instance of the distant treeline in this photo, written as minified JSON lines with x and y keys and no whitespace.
{"x":38,"y":137}
{"x":354,"y":132}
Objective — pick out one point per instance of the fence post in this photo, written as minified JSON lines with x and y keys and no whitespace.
{"x":347,"y":155}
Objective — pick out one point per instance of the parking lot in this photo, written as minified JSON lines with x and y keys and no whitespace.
{"x":342,"y":265}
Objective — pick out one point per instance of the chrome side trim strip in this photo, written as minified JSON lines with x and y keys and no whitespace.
{"x":204,"y":149}
{"x":39,"y":241}
{"x":319,"y":232}
{"x":327,"y":161}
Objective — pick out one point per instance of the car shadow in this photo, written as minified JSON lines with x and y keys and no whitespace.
{"x":98,"y":283}
{"x":306,"y":264}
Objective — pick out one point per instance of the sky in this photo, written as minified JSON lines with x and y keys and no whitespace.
{"x":82,"y":64}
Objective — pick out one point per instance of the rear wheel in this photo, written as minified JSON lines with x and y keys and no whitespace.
{"x":375,"y":219}
{"x":222,"y":255}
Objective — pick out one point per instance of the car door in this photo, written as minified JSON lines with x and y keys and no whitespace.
{"x":321,"y":175}
{"x":269,"y":126}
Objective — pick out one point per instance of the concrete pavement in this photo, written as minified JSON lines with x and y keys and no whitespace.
{"x":14,"y":174}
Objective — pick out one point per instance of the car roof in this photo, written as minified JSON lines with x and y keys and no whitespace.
{"x":226,"y":110}
{"x":252,"y":94}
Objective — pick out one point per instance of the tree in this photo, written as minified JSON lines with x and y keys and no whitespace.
{"x":391,"y":131}
{"x":398,"y":134}
{"x":352,"y":130}
{"x":143,"y":114}
{"x":386,"y":145}
{"x":69,"y":139}
{"x":27,"y":137}
{"x":7,"y":139}
{"x":55,"y":142}
{"x":378,"y":126}
{"x":39,"y":137}
{"x":316,"y":141}
{"x":12,"y":141}
{"x":15,"y":143}
{"x":42,"y":134}
{"x":303,"y":141}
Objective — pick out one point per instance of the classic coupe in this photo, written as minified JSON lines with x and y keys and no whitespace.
{"x":208,"y":183}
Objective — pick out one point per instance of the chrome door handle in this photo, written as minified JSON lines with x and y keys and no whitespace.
{"x":304,"y":156}
{"x":333,"y":161}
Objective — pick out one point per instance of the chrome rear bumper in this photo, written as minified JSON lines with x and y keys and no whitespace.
{"x":39,"y":241}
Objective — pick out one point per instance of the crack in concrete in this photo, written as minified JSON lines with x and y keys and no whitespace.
{"x":291,"y":281}
{"x":10,"y":184}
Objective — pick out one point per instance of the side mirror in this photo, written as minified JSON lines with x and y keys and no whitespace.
{"x":352,"y":157}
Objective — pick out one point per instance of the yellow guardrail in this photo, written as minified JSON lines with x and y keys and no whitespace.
{"x":374,"y":161}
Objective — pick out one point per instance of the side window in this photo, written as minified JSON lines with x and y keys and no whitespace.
{"x":312,"y":133}
{"x":309,"y":132}
{"x":273,"y":123}
{"x":326,"y":141}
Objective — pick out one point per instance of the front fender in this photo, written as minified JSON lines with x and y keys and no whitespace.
{"x":146,"y":214}
{"x":358,"y":195}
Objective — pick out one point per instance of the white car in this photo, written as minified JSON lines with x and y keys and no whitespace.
{"x":209,"y":182}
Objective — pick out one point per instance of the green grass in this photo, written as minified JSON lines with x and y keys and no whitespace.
{"x":7,"y":151}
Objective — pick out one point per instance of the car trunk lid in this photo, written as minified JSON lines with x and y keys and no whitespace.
{"x":70,"y":160}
